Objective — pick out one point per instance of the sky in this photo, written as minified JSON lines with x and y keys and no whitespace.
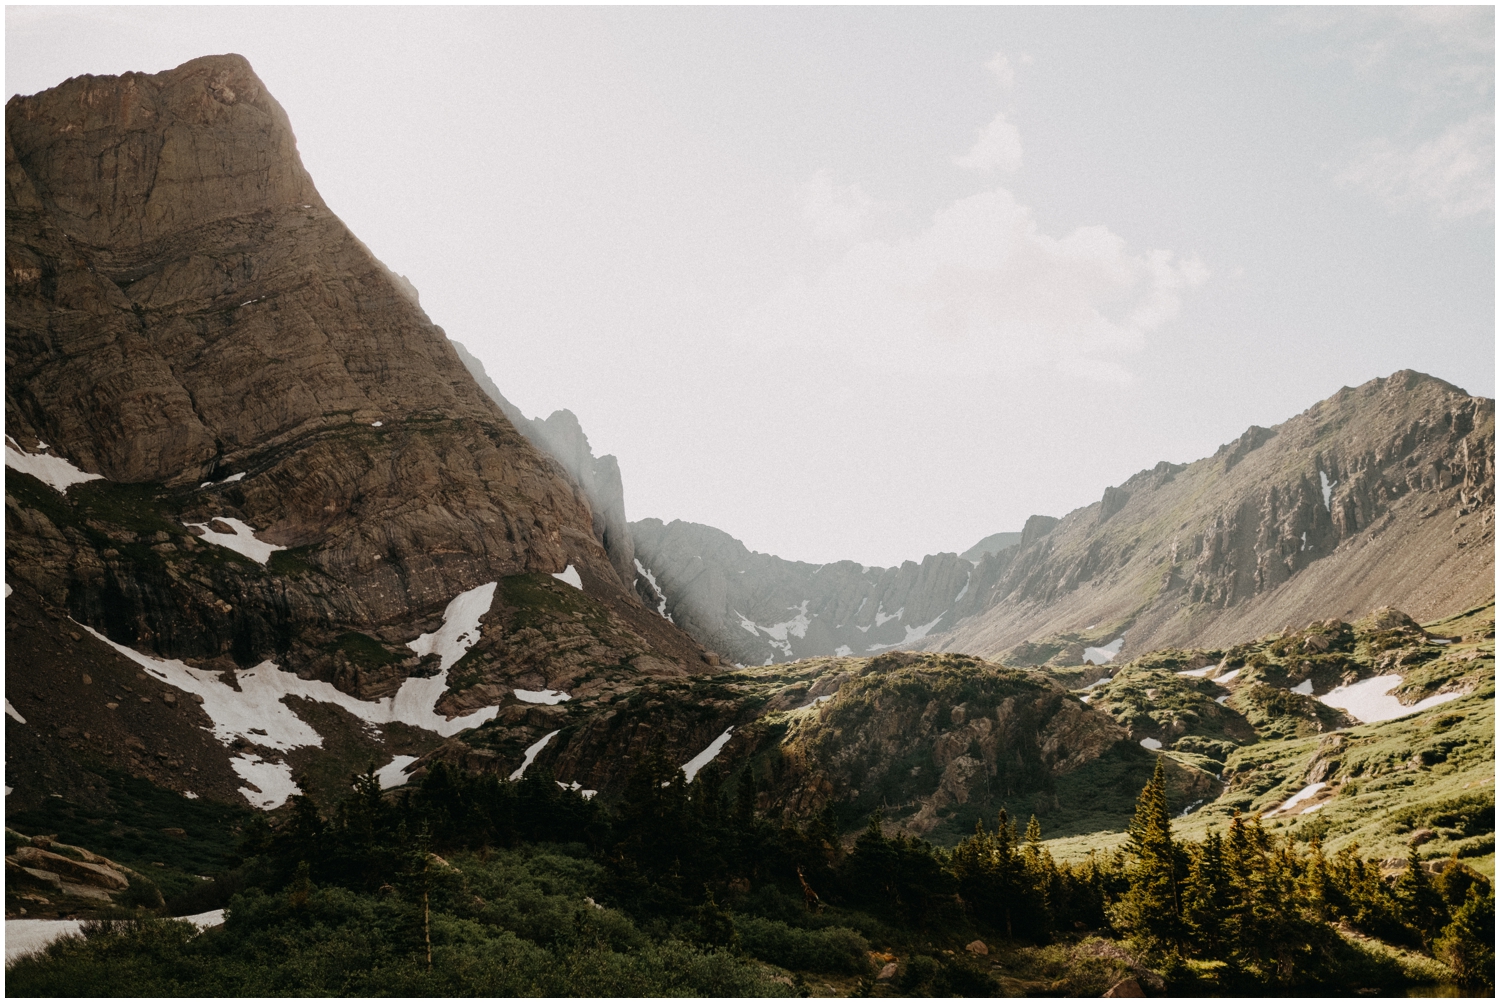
{"x":873,"y":283}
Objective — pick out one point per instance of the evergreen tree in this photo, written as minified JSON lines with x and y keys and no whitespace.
{"x":1467,"y":943}
{"x":1206,"y":899}
{"x":1150,"y":910}
{"x":1422,"y":907}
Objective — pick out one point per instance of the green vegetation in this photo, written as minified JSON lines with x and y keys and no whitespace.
{"x":173,"y":839}
{"x":466,"y":885}
{"x":1247,"y":910}
{"x":365,"y":651}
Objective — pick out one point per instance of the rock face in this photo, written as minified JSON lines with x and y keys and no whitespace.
{"x":1380,"y":495}
{"x":186,"y":319}
{"x":561,"y":437}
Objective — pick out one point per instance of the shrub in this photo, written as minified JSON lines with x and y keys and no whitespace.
{"x":835,"y":949}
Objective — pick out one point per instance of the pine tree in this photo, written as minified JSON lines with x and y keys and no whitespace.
{"x":1467,"y":943}
{"x":1151,"y":910}
{"x":1422,"y":907}
{"x":1206,"y":898}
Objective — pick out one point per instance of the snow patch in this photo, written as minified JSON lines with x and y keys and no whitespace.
{"x":913,"y":634}
{"x":1150,"y":743}
{"x":1369,"y":701}
{"x":53,"y":471}
{"x":270,"y":783}
{"x":548,"y":697}
{"x":587,"y":796}
{"x":27,"y":936}
{"x":965,"y":590}
{"x":1221,"y":701}
{"x":705,"y":757}
{"x":570,"y":576}
{"x":881,"y":616}
{"x":1106,"y":654}
{"x":843,"y":651}
{"x":531,"y":752}
{"x":460,"y":627}
{"x":241,"y":541}
{"x":1304,"y":688}
{"x":393,"y":774}
{"x":1328,"y":487}
{"x":1198,"y":672}
{"x":227,"y":480}
{"x":256,"y":711}
{"x":661,"y":607}
{"x":780,"y":634}
{"x":1301,"y":796}
{"x":1304,"y":539}
{"x":190,"y":795}
{"x":376,"y":424}
{"x":8,"y":590}
{"x":1221,"y":680}
{"x":13,"y":712}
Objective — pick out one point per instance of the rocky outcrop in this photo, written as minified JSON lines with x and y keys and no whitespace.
{"x":62,"y":871}
{"x":937,"y":742}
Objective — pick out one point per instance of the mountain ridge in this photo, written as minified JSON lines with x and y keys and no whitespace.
{"x":1250,"y":528}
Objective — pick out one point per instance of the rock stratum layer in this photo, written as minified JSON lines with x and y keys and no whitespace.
{"x":190,"y":326}
{"x":1384,"y":494}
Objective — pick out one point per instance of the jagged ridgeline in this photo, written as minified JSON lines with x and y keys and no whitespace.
{"x":1383,"y":494}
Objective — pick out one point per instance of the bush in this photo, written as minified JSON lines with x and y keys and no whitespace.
{"x":836,"y":949}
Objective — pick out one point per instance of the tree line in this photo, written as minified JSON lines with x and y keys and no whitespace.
{"x":1244,"y":908}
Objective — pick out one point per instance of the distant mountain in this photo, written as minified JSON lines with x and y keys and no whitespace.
{"x":992,"y":544}
{"x":755,"y":609}
{"x":1381,"y":495}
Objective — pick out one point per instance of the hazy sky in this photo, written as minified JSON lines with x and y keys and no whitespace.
{"x":875,"y":283}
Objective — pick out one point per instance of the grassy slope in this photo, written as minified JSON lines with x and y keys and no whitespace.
{"x":1433,"y":770}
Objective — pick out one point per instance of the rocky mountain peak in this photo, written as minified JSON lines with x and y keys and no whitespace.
{"x":123,"y":162}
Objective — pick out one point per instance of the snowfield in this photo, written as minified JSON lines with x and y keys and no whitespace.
{"x":241,"y":541}
{"x":1369,"y":701}
{"x":54,"y":471}
{"x":257,"y":712}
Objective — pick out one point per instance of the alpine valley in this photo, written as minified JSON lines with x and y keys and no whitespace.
{"x":307,"y":622}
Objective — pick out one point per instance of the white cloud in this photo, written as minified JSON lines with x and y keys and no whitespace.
{"x":1451,"y":175}
{"x":981,"y":289}
{"x":997,"y":147}
{"x":835,"y":211}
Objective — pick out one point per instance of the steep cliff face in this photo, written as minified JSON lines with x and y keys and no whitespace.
{"x":1381,"y":495}
{"x":561,"y":437}
{"x":276,"y":456}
